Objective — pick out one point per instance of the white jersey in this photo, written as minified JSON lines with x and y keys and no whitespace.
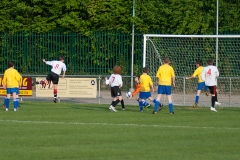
{"x":115,"y":80}
{"x":209,"y":75}
{"x":57,"y":66}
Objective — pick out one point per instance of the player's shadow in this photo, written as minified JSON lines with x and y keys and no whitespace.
{"x":87,"y":108}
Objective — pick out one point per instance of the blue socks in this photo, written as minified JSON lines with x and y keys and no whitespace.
{"x":145,"y":103}
{"x":170,"y":105}
{"x":6,"y":102}
{"x":17,"y":101}
{"x":141,"y":105}
{"x":157,"y":103}
{"x":197,"y":98}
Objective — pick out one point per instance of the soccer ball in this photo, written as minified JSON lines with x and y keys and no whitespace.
{"x":128,"y":94}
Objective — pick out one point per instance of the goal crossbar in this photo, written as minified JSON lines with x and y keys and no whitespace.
{"x":191,"y":36}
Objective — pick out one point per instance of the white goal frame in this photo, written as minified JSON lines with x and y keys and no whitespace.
{"x":228,"y":93}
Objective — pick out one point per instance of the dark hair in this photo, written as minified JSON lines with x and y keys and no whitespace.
{"x":138,"y":76}
{"x":10,"y":64}
{"x":199,"y":62}
{"x":117,"y":70}
{"x":61,"y":58}
{"x":145,"y":70}
{"x":210,"y":62}
{"x":166,"y":60}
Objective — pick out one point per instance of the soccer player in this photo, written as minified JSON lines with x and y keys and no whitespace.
{"x":166,"y":78}
{"x":137,"y":90}
{"x":201,"y":83}
{"x":53,"y":76}
{"x":115,"y":81}
{"x":146,"y":85}
{"x":209,"y":75}
{"x":11,"y":82}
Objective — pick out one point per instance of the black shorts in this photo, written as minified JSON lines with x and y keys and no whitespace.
{"x":53,"y":77}
{"x":213,"y":89}
{"x":115,"y":91}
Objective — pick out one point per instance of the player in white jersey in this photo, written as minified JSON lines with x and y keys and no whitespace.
{"x":115,"y":81}
{"x":209,"y":75}
{"x":53,"y":76}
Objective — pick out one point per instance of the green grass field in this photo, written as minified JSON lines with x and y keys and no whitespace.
{"x":67,"y":131}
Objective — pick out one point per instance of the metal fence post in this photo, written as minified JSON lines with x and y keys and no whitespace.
{"x":184,"y":92}
{"x":230,"y":90}
{"x":99,"y":89}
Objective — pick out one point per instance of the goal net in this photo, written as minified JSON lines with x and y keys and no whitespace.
{"x":185,"y":50}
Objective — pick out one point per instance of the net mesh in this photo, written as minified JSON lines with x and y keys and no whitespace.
{"x":185,"y":51}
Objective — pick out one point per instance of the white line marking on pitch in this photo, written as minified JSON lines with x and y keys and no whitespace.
{"x":111,"y":124}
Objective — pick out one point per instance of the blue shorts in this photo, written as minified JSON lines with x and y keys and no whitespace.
{"x":144,"y":95}
{"x":201,"y":85}
{"x":12,"y":90}
{"x":17,"y":92}
{"x":164,"y":90}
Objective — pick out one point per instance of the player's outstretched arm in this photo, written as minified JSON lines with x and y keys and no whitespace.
{"x":106,"y":81}
{"x":189,"y":77}
{"x":64,"y":72}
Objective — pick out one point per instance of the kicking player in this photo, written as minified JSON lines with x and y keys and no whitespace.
{"x":53,"y":76}
{"x":137,"y":91}
{"x":146,"y":85}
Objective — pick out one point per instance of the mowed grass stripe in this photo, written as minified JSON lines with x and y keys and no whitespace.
{"x":109,"y":124}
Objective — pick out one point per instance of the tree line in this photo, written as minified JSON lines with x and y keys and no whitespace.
{"x":85,"y":16}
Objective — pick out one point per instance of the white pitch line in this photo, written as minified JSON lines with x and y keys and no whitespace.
{"x":111,"y":124}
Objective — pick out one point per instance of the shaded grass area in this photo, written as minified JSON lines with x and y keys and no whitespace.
{"x":88,"y":131}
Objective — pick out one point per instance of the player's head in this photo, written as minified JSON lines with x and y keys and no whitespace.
{"x":145,"y":70}
{"x":199,"y":63}
{"x":10,"y":64}
{"x":117,"y":70}
{"x":166,"y":60}
{"x":137,"y":78}
{"x":210,"y":62}
{"x":61,"y":58}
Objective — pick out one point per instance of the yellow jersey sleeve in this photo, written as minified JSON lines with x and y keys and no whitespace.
{"x":198,"y":72}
